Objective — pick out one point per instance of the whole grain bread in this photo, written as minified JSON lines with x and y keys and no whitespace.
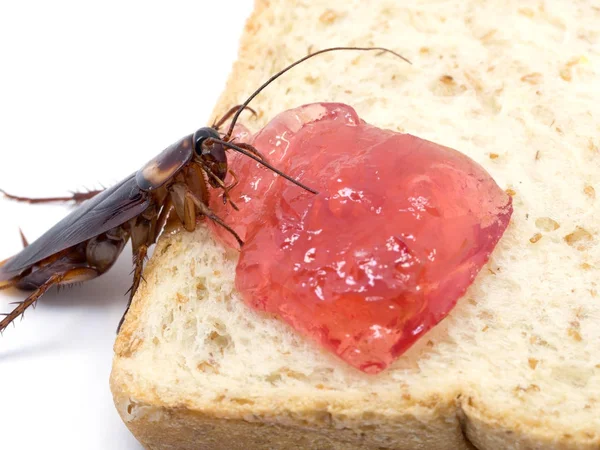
{"x":516,"y":365}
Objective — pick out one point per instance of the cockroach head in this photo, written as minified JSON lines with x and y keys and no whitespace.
{"x":211,"y":154}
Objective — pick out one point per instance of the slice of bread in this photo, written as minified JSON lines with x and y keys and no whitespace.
{"x":516,"y":365}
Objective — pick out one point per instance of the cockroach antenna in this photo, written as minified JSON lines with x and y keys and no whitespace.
{"x":294,"y":64}
{"x":263,"y":162}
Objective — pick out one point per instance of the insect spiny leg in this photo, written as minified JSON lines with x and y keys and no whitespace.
{"x":204,"y":209}
{"x":76,"y":197}
{"x":138,"y":260}
{"x":29,"y":301}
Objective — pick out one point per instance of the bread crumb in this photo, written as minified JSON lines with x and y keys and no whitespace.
{"x":328,"y":17}
{"x":424,"y":50}
{"x":293,"y":374}
{"x":494,"y":155}
{"x":536,"y":340}
{"x":447,"y":86}
{"x":532,"y":363}
{"x":274,"y":378}
{"x":309,"y":79}
{"x":511,"y":192}
{"x":546,"y":224}
{"x":527,"y":12}
{"x":182,"y":299}
{"x":475,"y":82}
{"x":580,"y":313}
{"x":530,"y":388}
{"x":201,"y":289}
{"x":535,"y":238}
{"x":447,"y":79}
{"x":532,"y":78}
{"x":207,"y":367}
{"x":488,"y":36}
{"x":566,"y":73}
{"x":573,"y":333}
{"x":580,"y":238}
{"x":589,"y":191}
{"x":486,"y":315}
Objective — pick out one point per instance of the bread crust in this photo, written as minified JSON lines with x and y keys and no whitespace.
{"x":458,"y":419}
{"x":166,"y":427}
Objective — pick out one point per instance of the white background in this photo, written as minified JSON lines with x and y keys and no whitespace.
{"x":89,"y":91}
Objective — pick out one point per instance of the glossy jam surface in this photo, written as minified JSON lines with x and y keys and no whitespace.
{"x":397,"y":233}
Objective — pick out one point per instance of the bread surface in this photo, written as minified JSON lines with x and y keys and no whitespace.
{"x":516,"y":365}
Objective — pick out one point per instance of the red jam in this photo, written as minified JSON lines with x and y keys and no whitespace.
{"x":397,"y":233}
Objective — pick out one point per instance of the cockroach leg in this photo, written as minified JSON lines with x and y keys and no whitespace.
{"x":23,"y":239}
{"x":161,"y":221}
{"x":211,"y":174}
{"x":138,"y":261}
{"x":235,"y":182}
{"x":206,"y":211}
{"x":252,"y":149}
{"x":80,"y":197}
{"x":144,"y":232}
{"x":76,"y":197}
{"x":74,"y":274}
{"x":216,"y":179}
{"x":230,"y":113}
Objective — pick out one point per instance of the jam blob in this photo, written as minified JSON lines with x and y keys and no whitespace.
{"x":396,"y":235}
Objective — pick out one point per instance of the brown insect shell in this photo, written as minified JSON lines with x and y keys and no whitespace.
{"x":166,"y":165}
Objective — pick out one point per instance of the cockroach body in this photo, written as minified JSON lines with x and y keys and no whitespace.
{"x":88,"y":241}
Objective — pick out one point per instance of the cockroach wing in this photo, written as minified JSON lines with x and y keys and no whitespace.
{"x":165,"y":166}
{"x":107,"y":210}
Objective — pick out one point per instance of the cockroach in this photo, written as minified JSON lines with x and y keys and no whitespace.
{"x":88,"y":241}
